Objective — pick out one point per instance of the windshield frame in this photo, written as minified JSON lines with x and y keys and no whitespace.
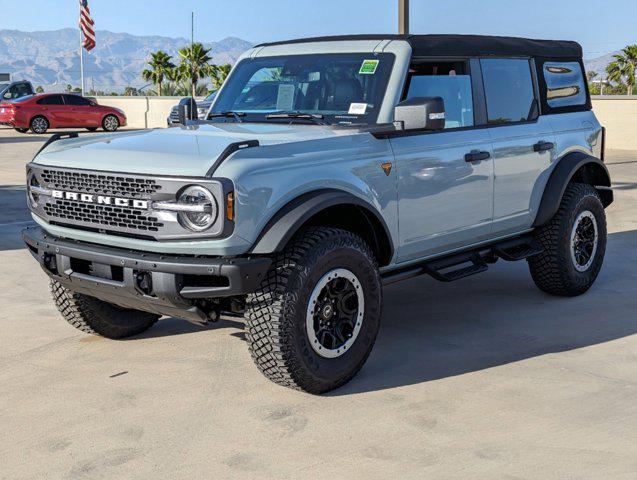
{"x":341,"y":118}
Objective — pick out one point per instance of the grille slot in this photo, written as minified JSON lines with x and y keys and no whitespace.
{"x":100,"y":184}
{"x":106,"y":215}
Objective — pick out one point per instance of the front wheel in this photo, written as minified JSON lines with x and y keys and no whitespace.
{"x":314,"y":320}
{"x":574,"y":244}
{"x":110,"y":123}
{"x":91,"y":315}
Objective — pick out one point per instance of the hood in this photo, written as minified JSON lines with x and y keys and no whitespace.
{"x":182,"y":151}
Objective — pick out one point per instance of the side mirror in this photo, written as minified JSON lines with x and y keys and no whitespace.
{"x":189,"y":107}
{"x":420,"y":113}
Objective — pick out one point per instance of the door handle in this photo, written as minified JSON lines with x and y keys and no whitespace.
{"x":476,"y":156}
{"x":543,"y":146}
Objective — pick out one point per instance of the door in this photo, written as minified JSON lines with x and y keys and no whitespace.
{"x":80,"y":112}
{"x":52,"y":107}
{"x":445,"y":178}
{"x":523,"y":141}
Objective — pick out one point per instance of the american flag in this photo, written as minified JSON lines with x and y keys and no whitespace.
{"x":86,"y":25}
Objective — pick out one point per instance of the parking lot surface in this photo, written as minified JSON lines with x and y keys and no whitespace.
{"x":484,"y":378}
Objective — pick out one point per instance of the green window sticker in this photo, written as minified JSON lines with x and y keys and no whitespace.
{"x":369,"y":67}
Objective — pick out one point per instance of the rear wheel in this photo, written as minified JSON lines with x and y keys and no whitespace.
{"x":315,"y":318}
{"x":21,"y":130}
{"x":574,"y":244}
{"x":39,"y":124}
{"x":110,"y":123}
{"x":91,"y":315}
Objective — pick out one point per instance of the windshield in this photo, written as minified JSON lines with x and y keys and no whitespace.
{"x":3,"y":86}
{"x":210,"y":97}
{"x":345,"y":88}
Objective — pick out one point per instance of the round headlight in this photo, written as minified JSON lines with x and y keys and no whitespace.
{"x":204,"y":208}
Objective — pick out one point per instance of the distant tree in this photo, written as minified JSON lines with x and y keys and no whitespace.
{"x":218,"y":74}
{"x":161,"y":68}
{"x":591,"y":75}
{"x":39,"y":89}
{"x":195,"y":64}
{"x":622,"y":69}
{"x":131,"y":92}
{"x":77,"y":90}
{"x":69,"y":87}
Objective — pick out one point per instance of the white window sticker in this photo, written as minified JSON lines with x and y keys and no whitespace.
{"x":285,"y":97}
{"x":357,"y":108}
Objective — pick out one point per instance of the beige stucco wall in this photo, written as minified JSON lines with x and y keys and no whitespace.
{"x":142,"y":112}
{"x":619,"y":115}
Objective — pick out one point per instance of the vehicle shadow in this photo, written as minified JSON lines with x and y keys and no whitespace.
{"x":433,"y":331}
{"x":14,"y":216}
{"x":169,"y":327}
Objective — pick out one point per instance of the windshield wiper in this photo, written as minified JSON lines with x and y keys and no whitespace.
{"x":236,"y":115}
{"x":317,"y":118}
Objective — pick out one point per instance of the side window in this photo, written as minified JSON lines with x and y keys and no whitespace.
{"x":565,"y":84}
{"x":508,"y":87}
{"x":51,"y":100}
{"x":19,"y":90}
{"x":76,"y":100}
{"x":449,"y":81}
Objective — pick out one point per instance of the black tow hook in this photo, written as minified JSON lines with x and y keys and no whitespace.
{"x":144,"y":282}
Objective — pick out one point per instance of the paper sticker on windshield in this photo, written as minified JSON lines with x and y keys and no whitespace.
{"x":369,"y":67}
{"x":285,"y":98}
{"x":357,"y":109}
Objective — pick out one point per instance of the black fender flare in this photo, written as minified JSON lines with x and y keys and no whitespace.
{"x":591,"y":170}
{"x":292,"y":216}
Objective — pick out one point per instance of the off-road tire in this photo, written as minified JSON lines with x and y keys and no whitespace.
{"x":553,"y":270}
{"x":110,"y":123}
{"x":97,"y":317}
{"x":21,"y":130}
{"x":39,"y":124}
{"x":276,"y":313}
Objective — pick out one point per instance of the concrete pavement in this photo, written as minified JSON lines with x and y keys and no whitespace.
{"x":485,"y":378}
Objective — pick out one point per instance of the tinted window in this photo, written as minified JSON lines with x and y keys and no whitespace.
{"x":51,"y":100}
{"x":565,"y":84}
{"x":455,"y":90}
{"x":76,"y":100}
{"x":509,"y":89}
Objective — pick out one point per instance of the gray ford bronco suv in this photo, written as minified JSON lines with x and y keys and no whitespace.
{"x":327,"y":168}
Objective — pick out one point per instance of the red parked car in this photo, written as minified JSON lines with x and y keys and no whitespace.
{"x":55,"y":110}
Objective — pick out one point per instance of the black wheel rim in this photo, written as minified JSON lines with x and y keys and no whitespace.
{"x":584,"y":238}
{"x":335,"y":313}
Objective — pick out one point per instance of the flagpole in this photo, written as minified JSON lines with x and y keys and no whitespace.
{"x":81,"y":63}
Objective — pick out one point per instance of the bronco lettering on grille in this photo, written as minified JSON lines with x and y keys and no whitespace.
{"x":100,"y":199}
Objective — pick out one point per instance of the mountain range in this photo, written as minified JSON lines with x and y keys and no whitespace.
{"x":51,"y":58}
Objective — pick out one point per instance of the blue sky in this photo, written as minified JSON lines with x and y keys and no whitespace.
{"x":599,"y":26}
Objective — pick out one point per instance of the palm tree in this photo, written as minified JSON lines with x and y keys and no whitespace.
{"x":622,"y":69}
{"x":161,"y":68}
{"x":194,"y":64}
{"x":218,"y":74}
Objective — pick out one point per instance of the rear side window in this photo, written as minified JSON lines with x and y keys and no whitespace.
{"x":564,"y":84}
{"x":51,"y":100}
{"x":508,"y":86}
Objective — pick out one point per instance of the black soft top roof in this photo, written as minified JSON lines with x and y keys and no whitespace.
{"x":437,"y":45}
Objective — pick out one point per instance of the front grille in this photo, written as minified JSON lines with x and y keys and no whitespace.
{"x":106,"y":215}
{"x":100,"y":184}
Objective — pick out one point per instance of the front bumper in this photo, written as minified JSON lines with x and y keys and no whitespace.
{"x":162,"y":284}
